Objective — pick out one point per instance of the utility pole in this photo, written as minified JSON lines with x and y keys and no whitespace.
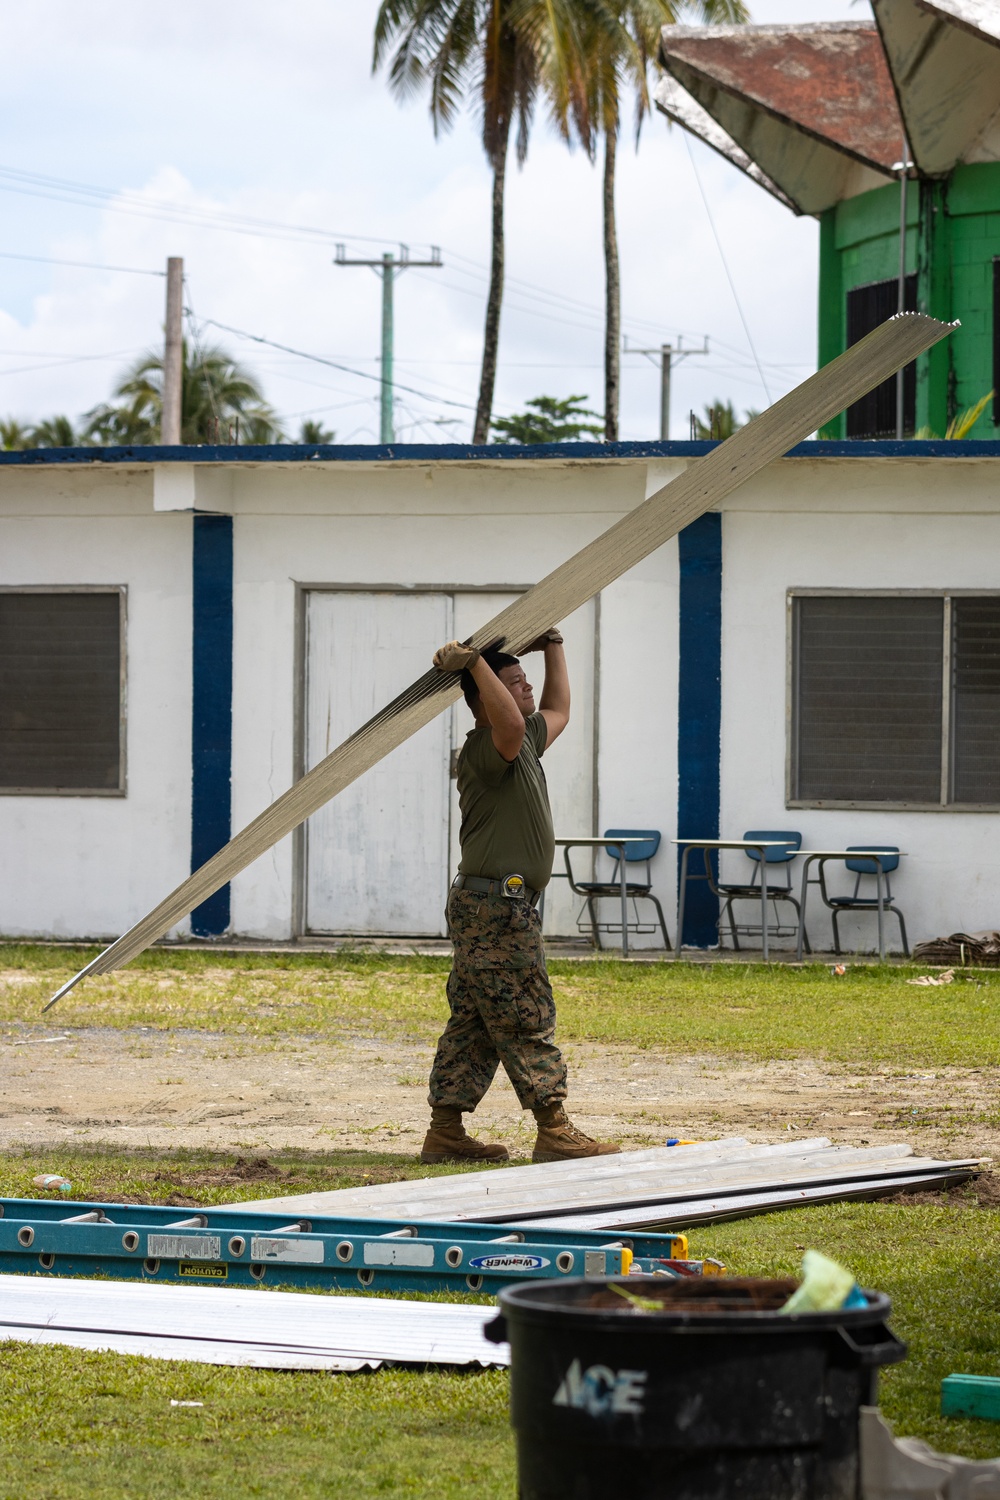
{"x":388,"y":267}
{"x":173,"y":355}
{"x":667,"y":353}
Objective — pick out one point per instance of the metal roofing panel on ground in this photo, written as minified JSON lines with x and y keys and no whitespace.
{"x":370,"y":1200}
{"x":340,"y":1332}
{"x":633,"y":1180}
{"x":198,"y":1351}
{"x":685,"y":1215}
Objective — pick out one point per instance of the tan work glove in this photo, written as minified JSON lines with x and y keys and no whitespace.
{"x":551,"y":637}
{"x":454,"y":657}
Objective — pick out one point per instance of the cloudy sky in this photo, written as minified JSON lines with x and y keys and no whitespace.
{"x":251,"y":137}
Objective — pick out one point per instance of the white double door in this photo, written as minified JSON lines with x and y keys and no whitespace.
{"x":381,"y":855}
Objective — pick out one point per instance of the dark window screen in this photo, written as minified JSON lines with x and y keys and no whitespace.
{"x":874,"y":416}
{"x":868,"y":701}
{"x":975,"y":674}
{"x":60,"y":691}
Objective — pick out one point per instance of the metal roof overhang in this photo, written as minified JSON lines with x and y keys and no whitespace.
{"x":944,"y":56}
{"x":812,"y":106}
{"x":678,"y":105}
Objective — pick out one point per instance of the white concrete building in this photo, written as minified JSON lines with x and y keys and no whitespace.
{"x":183,"y":631}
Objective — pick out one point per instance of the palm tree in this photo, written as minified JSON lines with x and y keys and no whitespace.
{"x":14,"y":434}
{"x":220,"y":401}
{"x":53,"y":432}
{"x":452,"y":44}
{"x":313,"y":431}
{"x":720,"y":421}
{"x":585,"y":72}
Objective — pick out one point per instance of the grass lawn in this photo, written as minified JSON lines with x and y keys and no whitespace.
{"x":869,"y":1016}
{"x":79,"y":1426}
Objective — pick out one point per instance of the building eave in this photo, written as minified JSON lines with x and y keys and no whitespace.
{"x":944,"y":58}
{"x":683,"y":109}
{"x":812,"y":106}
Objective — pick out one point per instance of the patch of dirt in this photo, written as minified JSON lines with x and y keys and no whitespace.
{"x":980,"y":1192}
{"x":197,"y":1089}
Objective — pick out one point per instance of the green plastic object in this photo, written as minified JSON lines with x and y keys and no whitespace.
{"x":971,"y":1396}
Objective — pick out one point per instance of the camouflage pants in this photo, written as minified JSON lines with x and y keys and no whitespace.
{"x":502,"y":1010}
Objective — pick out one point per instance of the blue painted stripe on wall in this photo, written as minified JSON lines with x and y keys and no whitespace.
{"x":211,"y":708}
{"x":369,"y":453}
{"x":699,"y":715}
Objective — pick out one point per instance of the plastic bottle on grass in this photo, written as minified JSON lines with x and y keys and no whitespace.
{"x":53,"y":1182}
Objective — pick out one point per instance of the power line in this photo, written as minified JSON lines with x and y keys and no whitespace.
{"x":332,"y":363}
{"x":89,"y":195}
{"x":64,"y":190}
{"x":725,"y":264}
{"x":88,"y":265}
{"x":77,"y":359}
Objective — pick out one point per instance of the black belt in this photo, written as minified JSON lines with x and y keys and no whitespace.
{"x":483,"y":887}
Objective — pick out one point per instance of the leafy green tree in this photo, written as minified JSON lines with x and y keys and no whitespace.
{"x":220,"y":402}
{"x":314,"y":432}
{"x":548,"y":420}
{"x":454,"y":46}
{"x":592,"y":52}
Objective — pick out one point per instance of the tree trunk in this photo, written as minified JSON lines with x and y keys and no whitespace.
{"x":612,"y":299}
{"x":491,"y":334}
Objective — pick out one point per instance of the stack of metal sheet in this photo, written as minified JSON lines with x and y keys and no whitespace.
{"x":223,"y":1326}
{"x":677,"y":1186}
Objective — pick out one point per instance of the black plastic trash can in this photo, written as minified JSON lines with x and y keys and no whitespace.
{"x":714,"y":1397}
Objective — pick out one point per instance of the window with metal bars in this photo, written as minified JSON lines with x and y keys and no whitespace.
{"x":61,"y":692}
{"x":895,"y":700}
{"x":874,"y":416}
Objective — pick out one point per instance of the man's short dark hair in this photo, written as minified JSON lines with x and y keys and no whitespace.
{"x":496,"y":661}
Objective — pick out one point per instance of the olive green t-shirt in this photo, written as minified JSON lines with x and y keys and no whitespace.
{"x":506,"y":821}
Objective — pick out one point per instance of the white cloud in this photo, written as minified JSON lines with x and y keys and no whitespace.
{"x":271,"y":111}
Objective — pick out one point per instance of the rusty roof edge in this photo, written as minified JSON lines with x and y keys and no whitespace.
{"x":685,"y":112}
{"x":776,"y":114}
{"x":958,"y":21}
{"x":784,"y":28}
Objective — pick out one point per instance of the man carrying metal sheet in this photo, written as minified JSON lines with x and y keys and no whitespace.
{"x":502,"y":1010}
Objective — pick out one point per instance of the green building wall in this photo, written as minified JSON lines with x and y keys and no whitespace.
{"x":952,"y":238}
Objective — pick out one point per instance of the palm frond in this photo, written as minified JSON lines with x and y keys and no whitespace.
{"x":961,"y":425}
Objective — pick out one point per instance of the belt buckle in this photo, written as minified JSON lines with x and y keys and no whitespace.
{"x":513,"y":886}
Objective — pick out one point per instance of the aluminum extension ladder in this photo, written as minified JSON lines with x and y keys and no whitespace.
{"x":216,"y":1245}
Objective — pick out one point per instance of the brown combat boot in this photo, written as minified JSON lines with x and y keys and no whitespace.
{"x":447,"y":1141}
{"x":559,"y":1139}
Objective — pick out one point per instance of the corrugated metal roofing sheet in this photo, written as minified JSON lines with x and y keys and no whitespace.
{"x":662,"y":1185}
{"x":218,"y":1325}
